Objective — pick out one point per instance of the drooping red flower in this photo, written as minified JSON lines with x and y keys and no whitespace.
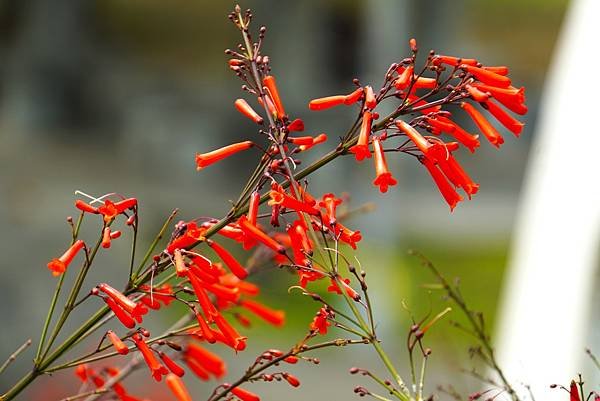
{"x":419,"y":140}
{"x":511,"y":123}
{"x":320,"y":322}
{"x":257,"y":234}
{"x":206,"y":159}
{"x":59,"y":265}
{"x":135,"y":309}
{"x":511,"y":98}
{"x":574,"y":392}
{"x":384,"y":178}
{"x":279,"y":197}
{"x":124,"y":317}
{"x":486,"y":76}
{"x":178,"y":388}
{"x":484,"y":125}
{"x":330,"y":203}
{"x":156,"y":368}
{"x":192,"y":235}
{"x":275,"y":317}
{"x":244,"y":108}
{"x":234,"y":266}
{"x":361,"y":149}
{"x":171,"y":364}
{"x":244,"y":395}
{"x":291,"y":379}
{"x":445,"y":188}
{"x":448,"y":126}
{"x":195,"y":354}
{"x":119,"y":345}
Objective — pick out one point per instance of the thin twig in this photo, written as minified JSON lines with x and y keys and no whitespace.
{"x":14,"y":355}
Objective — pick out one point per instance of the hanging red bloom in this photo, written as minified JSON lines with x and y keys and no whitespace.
{"x":156,"y":368}
{"x":330,"y":203}
{"x":487,"y":76}
{"x":275,"y":317}
{"x":326,"y":102}
{"x":135,"y":309}
{"x":257,"y":234}
{"x":512,"y":124}
{"x":512,"y":98}
{"x":119,"y":345}
{"x":446,"y":189}
{"x":244,"y":395}
{"x":574,"y":392}
{"x":244,"y":108}
{"x":59,"y":265}
{"x":384,"y":177}
{"x":448,"y":126}
{"x":484,"y":125}
{"x":234,"y":266}
{"x":284,"y":200}
{"x":361,"y":149}
{"x":320,"y":322}
{"x":212,"y":363}
{"x":206,"y":159}
{"x":171,"y":364}
{"x":120,"y":313}
{"x":110,"y":209}
{"x":178,"y":388}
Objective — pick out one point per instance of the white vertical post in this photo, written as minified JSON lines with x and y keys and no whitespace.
{"x":546,"y":306}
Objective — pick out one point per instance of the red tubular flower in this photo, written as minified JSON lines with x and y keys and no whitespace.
{"x":301,"y":140}
{"x":106,"y":238}
{"x":205,"y":329}
{"x":206,"y":159}
{"x":348,"y":236}
{"x":320,"y":322}
{"x":370,"y":101}
{"x":477,"y":94}
{"x":404,"y":79}
{"x":171,"y":364}
{"x":512,"y":124}
{"x":178,"y":388}
{"x":454,"y":172}
{"x":421,"y":142}
{"x":324,"y":103}
{"x":136,"y":310}
{"x":486,"y":76}
{"x":233,"y":338}
{"x":244,"y":108}
{"x":453,"y":61}
{"x":84,"y":207}
{"x":361,"y":149}
{"x":244,"y":395}
{"x":197,"y":369}
{"x":81,"y":371}
{"x":384,"y":177}
{"x":59,"y":265}
{"x":448,"y":126}
{"x":120,"y":313}
{"x":110,"y":209}
{"x":292,"y":380}
{"x":574,"y":392}
{"x":205,"y":303}
{"x":424,"y":83}
{"x":289,"y":202}
{"x":156,"y":368}
{"x":234,"y":266}
{"x":446,"y":189}
{"x":270,"y":84}
{"x":229,"y":280}
{"x":223,"y":294}
{"x":119,"y":345}
{"x":275,"y":317}
{"x":191,"y":236}
{"x":512,"y":98}
{"x":296,"y":125}
{"x":253,"y":205}
{"x":150,"y":302}
{"x":330,"y":203}
{"x":254,"y":232}
{"x":315,"y":141}
{"x":206,"y":359}
{"x":484,"y":125}
{"x":501,"y":70}
{"x":354,"y":96}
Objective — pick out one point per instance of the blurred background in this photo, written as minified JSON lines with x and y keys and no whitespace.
{"x":117,"y":95}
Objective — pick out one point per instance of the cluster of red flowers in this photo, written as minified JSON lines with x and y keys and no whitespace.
{"x":212,"y":281}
